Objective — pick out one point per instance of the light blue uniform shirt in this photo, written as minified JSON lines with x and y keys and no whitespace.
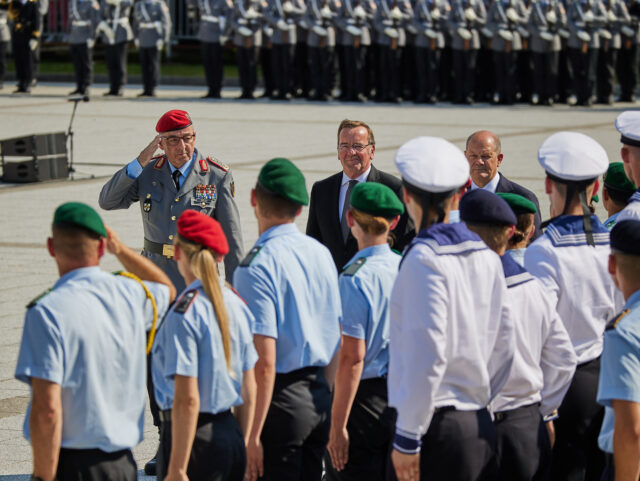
{"x":190,"y":344}
{"x":290,"y":283}
{"x":611,"y":221}
{"x":517,"y":255}
{"x":134,"y":169}
{"x":365,"y":304}
{"x":89,"y":336}
{"x":620,"y":366}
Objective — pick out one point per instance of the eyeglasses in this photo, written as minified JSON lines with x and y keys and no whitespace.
{"x":174,"y":140}
{"x":356,"y":147}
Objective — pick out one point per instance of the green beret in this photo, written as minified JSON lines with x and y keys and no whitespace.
{"x":376,"y":199}
{"x":616,"y":179}
{"x":81,"y":215}
{"x":283,"y":178}
{"x":519,"y":204}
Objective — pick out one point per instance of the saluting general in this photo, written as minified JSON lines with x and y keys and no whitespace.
{"x":182,"y":178}
{"x":83,"y":353}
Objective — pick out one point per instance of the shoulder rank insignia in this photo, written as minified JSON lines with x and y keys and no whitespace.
{"x":217,"y":163}
{"x":250,"y":256}
{"x":233,"y":289}
{"x":354,"y":266}
{"x":185,"y":301}
{"x":35,"y":300}
{"x":160,"y":160}
{"x":613,"y":323}
{"x":204,"y":167}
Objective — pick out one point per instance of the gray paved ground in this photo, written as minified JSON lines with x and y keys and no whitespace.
{"x":109,"y":133}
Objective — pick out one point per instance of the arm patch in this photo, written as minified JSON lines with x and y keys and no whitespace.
{"x":246,"y":262}
{"x":185,"y":301}
{"x":354,"y":267}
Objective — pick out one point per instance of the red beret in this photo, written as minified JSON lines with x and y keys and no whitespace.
{"x":173,"y":120}
{"x":202,"y":229}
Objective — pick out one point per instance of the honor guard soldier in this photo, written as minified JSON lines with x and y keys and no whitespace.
{"x":525,"y":212}
{"x":203,"y":362}
{"x":215,"y":16}
{"x":354,"y":38}
{"x":116,"y":34}
{"x":571,"y":259}
{"x":616,"y":192}
{"x":5,"y":38}
{"x":390,"y":39}
{"x":544,"y":361}
{"x":301,"y":81}
{"x":247,"y":38}
{"x":282,"y":17}
{"x":26,"y":24}
{"x":628,"y":124}
{"x":620,"y":375}
{"x":627,"y":65}
{"x":546,"y":18}
{"x":83,"y":353}
{"x":446,"y":361}
{"x":166,"y":185}
{"x":84,"y":17}
{"x":361,"y":421}
{"x":152,"y":26}
{"x":291,"y":287}
{"x":321,"y":44}
{"x":610,"y":43}
{"x":465,"y":21}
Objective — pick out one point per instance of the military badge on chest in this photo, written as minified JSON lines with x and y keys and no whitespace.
{"x":146,"y":205}
{"x":204,"y":195}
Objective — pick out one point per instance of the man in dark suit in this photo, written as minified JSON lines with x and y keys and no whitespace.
{"x":484,"y":153}
{"x":330,"y":197}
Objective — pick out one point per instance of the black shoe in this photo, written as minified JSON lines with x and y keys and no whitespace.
{"x":111,"y":93}
{"x":211,"y":95}
{"x":150,"y":467}
{"x":285,"y":96}
{"x":246,"y":96}
{"x":76,"y":92}
{"x":265,"y":95}
{"x":21,"y":90}
{"x":146,"y":94}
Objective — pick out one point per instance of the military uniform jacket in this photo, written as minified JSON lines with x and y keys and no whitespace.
{"x":538,"y":23}
{"x":423,"y":20}
{"x":383,"y":20}
{"x":215,"y":17}
{"x":497,"y":20}
{"x":161,"y":205}
{"x":617,"y":17}
{"x":25,"y":18}
{"x":347,"y":17}
{"x":576,"y":22}
{"x":116,"y":15}
{"x":315,"y":18}
{"x":544,"y":361}
{"x":84,"y":16}
{"x":275,"y":15}
{"x":239,"y":18}
{"x":5,"y":35}
{"x":151,"y":22}
{"x":458,"y":20}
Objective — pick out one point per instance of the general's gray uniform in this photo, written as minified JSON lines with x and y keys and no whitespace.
{"x":161,"y":205}
{"x":5,"y":38}
{"x":152,"y":26}
{"x":84,"y":16}
{"x":116,"y":33}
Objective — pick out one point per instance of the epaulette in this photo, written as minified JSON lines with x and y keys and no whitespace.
{"x":613,"y":323}
{"x":250,"y":256}
{"x":185,"y":301}
{"x":218,"y":164}
{"x":35,"y":300}
{"x":354,"y":267}
{"x":159,"y":161}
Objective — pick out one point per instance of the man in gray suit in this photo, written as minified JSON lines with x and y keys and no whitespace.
{"x":84,"y":16}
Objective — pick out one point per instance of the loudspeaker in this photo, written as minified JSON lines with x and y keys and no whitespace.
{"x":35,"y":158}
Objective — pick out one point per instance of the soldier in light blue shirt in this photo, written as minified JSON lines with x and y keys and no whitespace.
{"x":361,"y":422}
{"x":203,"y":364}
{"x":619,"y":386}
{"x":290,"y":283}
{"x":83,"y":353}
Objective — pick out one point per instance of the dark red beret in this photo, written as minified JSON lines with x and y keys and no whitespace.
{"x":202,"y":229}
{"x":173,"y":120}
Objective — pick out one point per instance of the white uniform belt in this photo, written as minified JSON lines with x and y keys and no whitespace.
{"x":123,"y":21}
{"x":80,"y":23}
{"x":210,"y":18}
{"x":147,"y":25}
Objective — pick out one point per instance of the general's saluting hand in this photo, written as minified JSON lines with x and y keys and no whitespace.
{"x":147,"y":153}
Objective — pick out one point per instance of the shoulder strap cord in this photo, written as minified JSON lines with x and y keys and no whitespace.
{"x":154,"y":323}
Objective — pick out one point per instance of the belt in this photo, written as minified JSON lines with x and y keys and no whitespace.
{"x":209,"y":18}
{"x":123,"y":21}
{"x":157,"y":248}
{"x":148,"y":25}
{"x":444,"y":409}
{"x":79,"y":23}
{"x":165,"y":416}
{"x":502,"y":415}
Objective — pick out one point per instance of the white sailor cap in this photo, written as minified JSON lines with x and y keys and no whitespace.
{"x":628,"y":124}
{"x":572,"y":156}
{"x":432,"y":164}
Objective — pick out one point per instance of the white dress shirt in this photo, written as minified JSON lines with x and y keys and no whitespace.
{"x":345,"y":185}
{"x":491,"y":186}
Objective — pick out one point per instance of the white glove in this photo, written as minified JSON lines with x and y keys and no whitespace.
{"x":612,"y":16}
{"x":326,"y":12}
{"x":282,"y":25}
{"x":136,"y":43}
{"x":159,"y":44}
{"x":470,"y":15}
{"x":551,"y":16}
{"x":512,"y":15}
{"x":435,"y":14}
{"x":242,"y":21}
{"x":33,"y":44}
{"x":396,"y":14}
{"x":359,"y":12}
{"x":588,"y":16}
{"x":251,"y":13}
{"x":90,"y":42}
{"x":287,"y":7}
{"x":113,"y":2}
